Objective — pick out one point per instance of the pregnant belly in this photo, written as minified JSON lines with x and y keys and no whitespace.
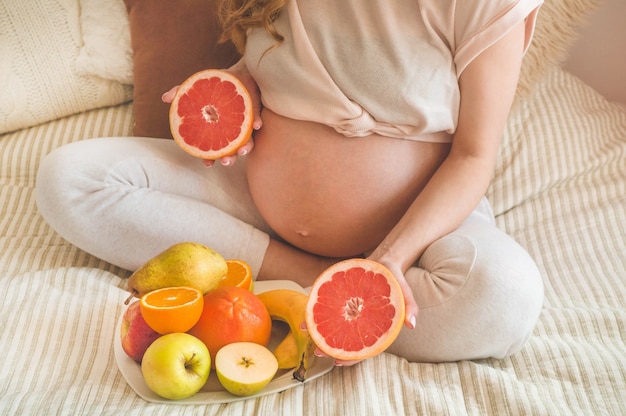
{"x":331,"y":195}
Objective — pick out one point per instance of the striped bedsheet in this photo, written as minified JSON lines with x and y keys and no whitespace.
{"x":559,"y":189}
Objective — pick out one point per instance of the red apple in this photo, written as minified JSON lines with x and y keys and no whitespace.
{"x":136,"y":335}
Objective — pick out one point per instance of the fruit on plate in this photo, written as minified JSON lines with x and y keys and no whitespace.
{"x":232,"y":314}
{"x":245,"y":368}
{"x":290,"y":306}
{"x":355,"y":309}
{"x":211,"y":114}
{"x":135,"y":334}
{"x":239,"y":274}
{"x":176,"y":366}
{"x":286,"y":352}
{"x":183,"y":264}
{"x":172,"y":309}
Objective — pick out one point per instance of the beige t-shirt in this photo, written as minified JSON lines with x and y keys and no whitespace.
{"x":389,"y":67}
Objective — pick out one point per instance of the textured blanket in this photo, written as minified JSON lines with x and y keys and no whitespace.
{"x":559,"y":189}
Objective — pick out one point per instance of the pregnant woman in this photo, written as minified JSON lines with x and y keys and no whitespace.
{"x":377,"y":128}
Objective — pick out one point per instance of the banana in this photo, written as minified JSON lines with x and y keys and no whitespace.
{"x":286,"y":352}
{"x":289,"y":306}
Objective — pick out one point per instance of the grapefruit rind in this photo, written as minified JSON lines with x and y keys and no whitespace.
{"x":353,"y":285}
{"x":186,"y":114}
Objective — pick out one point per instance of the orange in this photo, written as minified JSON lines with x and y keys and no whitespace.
{"x":172,"y":309}
{"x":239,"y":274}
{"x":211,"y":114}
{"x":355,"y":309}
{"x":232,"y":314}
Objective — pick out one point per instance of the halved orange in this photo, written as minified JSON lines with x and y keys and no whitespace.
{"x":172,"y":309}
{"x":211,"y":114}
{"x":239,"y":274}
{"x":355,"y":309}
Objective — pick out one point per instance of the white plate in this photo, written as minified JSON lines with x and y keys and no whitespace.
{"x":213,"y":392}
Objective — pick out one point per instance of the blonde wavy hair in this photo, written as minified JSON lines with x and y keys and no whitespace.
{"x":237,"y":16}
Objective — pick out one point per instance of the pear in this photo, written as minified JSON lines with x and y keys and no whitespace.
{"x":183,"y":264}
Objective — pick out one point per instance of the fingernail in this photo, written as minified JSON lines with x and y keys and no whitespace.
{"x":318,"y":354}
{"x":412,"y":321}
{"x":338,"y":364}
{"x":243,"y":152}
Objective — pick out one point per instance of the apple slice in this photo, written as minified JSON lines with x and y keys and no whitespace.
{"x":245,"y":368}
{"x":176,"y":365}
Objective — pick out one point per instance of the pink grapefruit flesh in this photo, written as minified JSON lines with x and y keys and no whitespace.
{"x":355,"y":310}
{"x":211,"y":115}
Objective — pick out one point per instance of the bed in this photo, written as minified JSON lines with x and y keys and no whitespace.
{"x":70,"y":70}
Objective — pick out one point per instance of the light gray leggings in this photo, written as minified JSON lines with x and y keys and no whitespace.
{"x":126,"y":199}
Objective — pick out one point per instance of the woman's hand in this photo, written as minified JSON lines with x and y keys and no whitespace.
{"x":411,"y":309}
{"x":241,"y":72}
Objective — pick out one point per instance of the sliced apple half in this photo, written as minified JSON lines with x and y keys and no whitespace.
{"x":245,"y":368}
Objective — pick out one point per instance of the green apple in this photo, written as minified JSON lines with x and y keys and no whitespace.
{"x":245,"y":368}
{"x":176,"y":365}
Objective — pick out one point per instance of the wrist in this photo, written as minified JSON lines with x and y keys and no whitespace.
{"x":391,"y":258}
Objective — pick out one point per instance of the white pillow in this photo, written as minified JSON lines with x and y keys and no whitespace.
{"x":39,"y":45}
{"x":106,"y":50}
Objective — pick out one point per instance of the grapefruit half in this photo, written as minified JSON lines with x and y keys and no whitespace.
{"x":355,"y":309}
{"x":211,"y":114}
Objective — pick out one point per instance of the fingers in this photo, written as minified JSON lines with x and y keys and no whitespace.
{"x":228,"y":160}
{"x":257,"y":122}
{"x":246,"y":148}
{"x":338,"y":363}
{"x":410,"y":319}
{"x":410,"y":306}
{"x":168,"y":96}
{"x":231,"y":160}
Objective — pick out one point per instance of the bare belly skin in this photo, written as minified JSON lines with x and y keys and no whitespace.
{"x":331,"y":195}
